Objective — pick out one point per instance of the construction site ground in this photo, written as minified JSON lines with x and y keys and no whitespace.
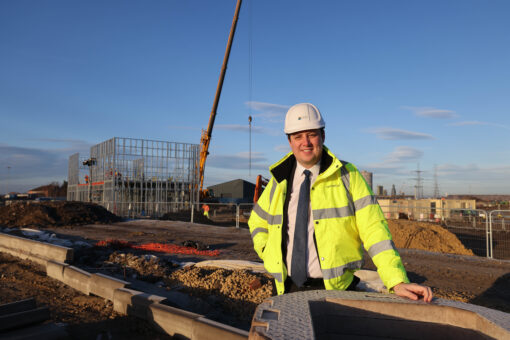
{"x":438,"y":260}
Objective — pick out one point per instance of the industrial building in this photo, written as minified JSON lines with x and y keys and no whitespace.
{"x":425,"y":209}
{"x":368,"y":176}
{"x":136,"y":177}
{"x":236,"y":191}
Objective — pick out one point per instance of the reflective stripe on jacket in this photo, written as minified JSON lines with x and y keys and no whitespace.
{"x":346,"y":217}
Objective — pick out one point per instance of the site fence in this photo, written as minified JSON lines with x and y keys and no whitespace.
{"x":486,"y":233}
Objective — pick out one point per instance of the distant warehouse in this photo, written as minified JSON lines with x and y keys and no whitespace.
{"x":236,"y":191}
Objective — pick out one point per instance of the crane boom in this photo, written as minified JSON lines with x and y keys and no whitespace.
{"x":206,"y":135}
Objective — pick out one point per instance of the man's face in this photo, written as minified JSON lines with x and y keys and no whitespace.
{"x":307,"y":146}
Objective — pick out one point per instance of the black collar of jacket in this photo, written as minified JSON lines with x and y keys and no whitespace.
{"x":286,"y":169}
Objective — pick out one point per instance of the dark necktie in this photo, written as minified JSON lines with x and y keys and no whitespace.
{"x":299,"y":250}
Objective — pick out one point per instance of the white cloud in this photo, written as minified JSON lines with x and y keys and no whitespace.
{"x":30,"y":161}
{"x":431,"y":112}
{"x":31,"y":167}
{"x":273,"y":113}
{"x":69,"y":145}
{"x":183,"y":127}
{"x":452,"y":178}
{"x":285,"y":148}
{"x":238,"y":161}
{"x":239,"y":127}
{"x":471,"y":178}
{"x":398,"y":134}
{"x":255,"y":155}
{"x":404,"y":154}
{"x":475,"y":123}
{"x":394,"y":163}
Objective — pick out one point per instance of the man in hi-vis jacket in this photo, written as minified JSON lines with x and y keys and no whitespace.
{"x":315,"y":215}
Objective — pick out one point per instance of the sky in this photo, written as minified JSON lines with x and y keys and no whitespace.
{"x":402,"y":85}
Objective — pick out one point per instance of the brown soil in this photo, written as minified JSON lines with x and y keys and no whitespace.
{"x":63,"y":213}
{"x":237,"y":292}
{"x":425,"y":236}
{"x":87,"y":317}
{"x":148,"y":268}
{"x":434,"y":257}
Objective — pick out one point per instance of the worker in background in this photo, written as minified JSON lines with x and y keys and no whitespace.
{"x":316,"y":213}
{"x":86,"y":178}
{"x":205,"y":207}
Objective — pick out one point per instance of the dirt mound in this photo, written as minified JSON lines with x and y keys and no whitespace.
{"x":236,"y":291}
{"x":23,"y":214}
{"x":425,"y":236}
{"x":148,"y":268}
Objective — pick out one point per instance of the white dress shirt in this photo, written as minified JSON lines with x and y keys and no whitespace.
{"x":313,"y":268}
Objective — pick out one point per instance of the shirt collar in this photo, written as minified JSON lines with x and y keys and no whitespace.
{"x":314,"y":169}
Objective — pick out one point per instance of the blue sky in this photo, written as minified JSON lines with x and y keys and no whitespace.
{"x":400,"y":83}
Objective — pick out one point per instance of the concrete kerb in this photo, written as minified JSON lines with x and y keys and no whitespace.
{"x":205,"y":329}
{"x":105,"y":286}
{"x":132,"y":302}
{"x":173,"y":321}
{"x":36,"y":251}
{"x":77,"y":279}
{"x":55,"y":270}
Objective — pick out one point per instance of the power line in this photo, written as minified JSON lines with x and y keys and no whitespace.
{"x":418,"y":188}
{"x":7,"y":181}
{"x":436,"y":185}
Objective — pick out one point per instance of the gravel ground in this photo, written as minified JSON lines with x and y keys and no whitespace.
{"x":233,"y":294}
{"x":86,"y":317}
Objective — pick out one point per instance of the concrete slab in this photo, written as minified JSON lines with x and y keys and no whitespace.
{"x":132,"y":302}
{"x":173,"y":321}
{"x":24,"y":318}
{"x":50,"y":331}
{"x":205,"y":329}
{"x":104,"y":285}
{"x":77,"y":279}
{"x":55,"y":269}
{"x":36,"y":251}
{"x":175,"y":298}
{"x":256,"y":267}
{"x":338,"y":314}
{"x":18,"y":306}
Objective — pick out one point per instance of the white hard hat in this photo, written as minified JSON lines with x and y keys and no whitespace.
{"x":302,"y":117}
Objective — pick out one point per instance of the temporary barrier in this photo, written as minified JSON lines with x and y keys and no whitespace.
{"x":499,"y":234}
{"x":485,"y":233}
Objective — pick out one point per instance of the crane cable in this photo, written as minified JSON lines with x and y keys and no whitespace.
{"x":250,"y":75}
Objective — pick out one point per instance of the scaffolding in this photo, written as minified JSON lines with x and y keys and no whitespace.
{"x":136,"y":177}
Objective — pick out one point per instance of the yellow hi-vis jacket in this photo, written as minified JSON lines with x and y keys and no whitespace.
{"x":346,"y":216}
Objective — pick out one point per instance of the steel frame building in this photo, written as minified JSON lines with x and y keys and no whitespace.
{"x":136,"y":177}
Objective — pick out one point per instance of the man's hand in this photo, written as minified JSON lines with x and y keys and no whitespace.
{"x":413,"y":291}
